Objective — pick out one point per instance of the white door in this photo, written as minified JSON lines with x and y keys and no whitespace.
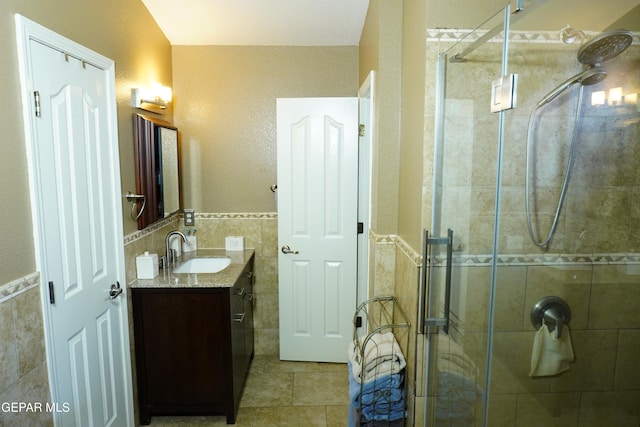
{"x":366,"y":102}
{"x":78,"y":221}
{"x":317,"y":226}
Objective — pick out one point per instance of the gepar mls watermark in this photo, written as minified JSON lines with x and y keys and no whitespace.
{"x":31,"y":407}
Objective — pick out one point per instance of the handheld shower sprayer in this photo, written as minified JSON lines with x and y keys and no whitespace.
{"x":592,"y":53}
{"x":588,"y":77}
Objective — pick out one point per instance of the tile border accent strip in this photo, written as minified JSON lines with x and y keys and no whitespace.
{"x":451,"y":35}
{"x":18,"y":286}
{"x":393,"y":239}
{"x":137,"y":235}
{"x":130,"y":238}
{"x":484,"y":260}
{"x":238,"y":215}
{"x":549,"y":259}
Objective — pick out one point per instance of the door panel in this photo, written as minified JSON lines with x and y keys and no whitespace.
{"x":317,"y":219}
{"x":77,"y":209}
{"x":465,"y":181}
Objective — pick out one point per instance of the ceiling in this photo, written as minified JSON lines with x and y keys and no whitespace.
{"x":260,"y":22}
{"x":340,"y":22}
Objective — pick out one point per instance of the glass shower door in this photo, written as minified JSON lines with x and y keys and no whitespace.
{"x":459,"y":245}
{"x":591,"y":259}
{"x":479,"y":369}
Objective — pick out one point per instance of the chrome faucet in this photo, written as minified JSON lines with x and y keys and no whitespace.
{"x":169,"y":258}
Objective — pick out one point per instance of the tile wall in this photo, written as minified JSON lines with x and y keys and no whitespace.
{"x":260,"y":231}
{"x":605,"y":332}
{"x":23,"y":368}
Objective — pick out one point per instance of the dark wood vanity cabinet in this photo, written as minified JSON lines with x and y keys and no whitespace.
{"x":193,"y":348}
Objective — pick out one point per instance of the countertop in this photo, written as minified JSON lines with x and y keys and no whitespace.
{"x":223,"y":279}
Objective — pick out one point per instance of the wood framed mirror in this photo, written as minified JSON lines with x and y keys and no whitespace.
{"x":157,"y":168}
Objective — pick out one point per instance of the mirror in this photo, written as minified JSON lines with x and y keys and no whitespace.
{"x":157,"y":168}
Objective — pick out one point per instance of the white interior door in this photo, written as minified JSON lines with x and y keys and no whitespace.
{"x":317,"y":226}
{"x":70,"y":116}
{"x":366,"y":117}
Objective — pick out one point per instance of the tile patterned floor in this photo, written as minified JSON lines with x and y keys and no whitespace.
{"x":281,"y":393}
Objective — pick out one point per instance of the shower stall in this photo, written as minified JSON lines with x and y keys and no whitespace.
{"x":535,"y":208}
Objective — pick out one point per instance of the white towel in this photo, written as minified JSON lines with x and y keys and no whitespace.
{"x":551,"y":355}
{"x":382,"y":356}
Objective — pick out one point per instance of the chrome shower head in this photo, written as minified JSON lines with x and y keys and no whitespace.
{"x":588,"y":77}
{"x":604,"y":46}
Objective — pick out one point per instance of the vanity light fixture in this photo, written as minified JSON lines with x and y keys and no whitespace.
{"x":615,"y":98}
{"x":151,"y":99}
{"x":598,"y":97}
{"x":615,"y":95}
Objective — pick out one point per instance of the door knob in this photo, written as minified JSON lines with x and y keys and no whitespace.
{"x":287,"y":250}
{"x":115,"y":290}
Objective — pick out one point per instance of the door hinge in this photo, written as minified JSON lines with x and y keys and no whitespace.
{"x":36,"y":99}
{"x":360,"y":227}
{"x":52,"y":297}
{"x":504,"y":93}
{"x":358,"y":321}
{"x":361,"y":130}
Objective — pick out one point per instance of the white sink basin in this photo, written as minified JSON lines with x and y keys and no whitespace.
{"x":203,"y":265}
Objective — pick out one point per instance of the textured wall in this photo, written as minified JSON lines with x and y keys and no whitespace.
{"x":381,"y":50}
{"x":225,"y":101}
{"x":122,"y":31}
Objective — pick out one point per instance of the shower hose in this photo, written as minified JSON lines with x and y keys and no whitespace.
{"x":565,"y":183}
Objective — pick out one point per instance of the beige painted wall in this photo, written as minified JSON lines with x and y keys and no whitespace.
{"x":381,"y":50}
{"x":225,"y":100}
{"x":413,"y":123}
{"x":393,"y":44}
{"x":121,"y":30}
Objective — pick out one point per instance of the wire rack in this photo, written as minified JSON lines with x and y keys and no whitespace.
{"x":377,"y":365}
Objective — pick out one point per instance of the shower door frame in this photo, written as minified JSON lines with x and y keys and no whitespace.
{"x":432,"y":322}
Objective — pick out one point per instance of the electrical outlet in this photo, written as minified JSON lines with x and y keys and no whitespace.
{"x":189,"y":218}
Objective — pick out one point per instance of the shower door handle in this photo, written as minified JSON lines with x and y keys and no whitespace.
{"x":426,"y":294}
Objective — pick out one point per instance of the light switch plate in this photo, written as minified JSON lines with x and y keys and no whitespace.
{"x":189,"y":218}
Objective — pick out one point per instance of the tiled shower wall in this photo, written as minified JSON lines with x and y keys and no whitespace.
{"x":602,"y":206}
{"x":603,"y":384}
{"x":600,"y":215}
